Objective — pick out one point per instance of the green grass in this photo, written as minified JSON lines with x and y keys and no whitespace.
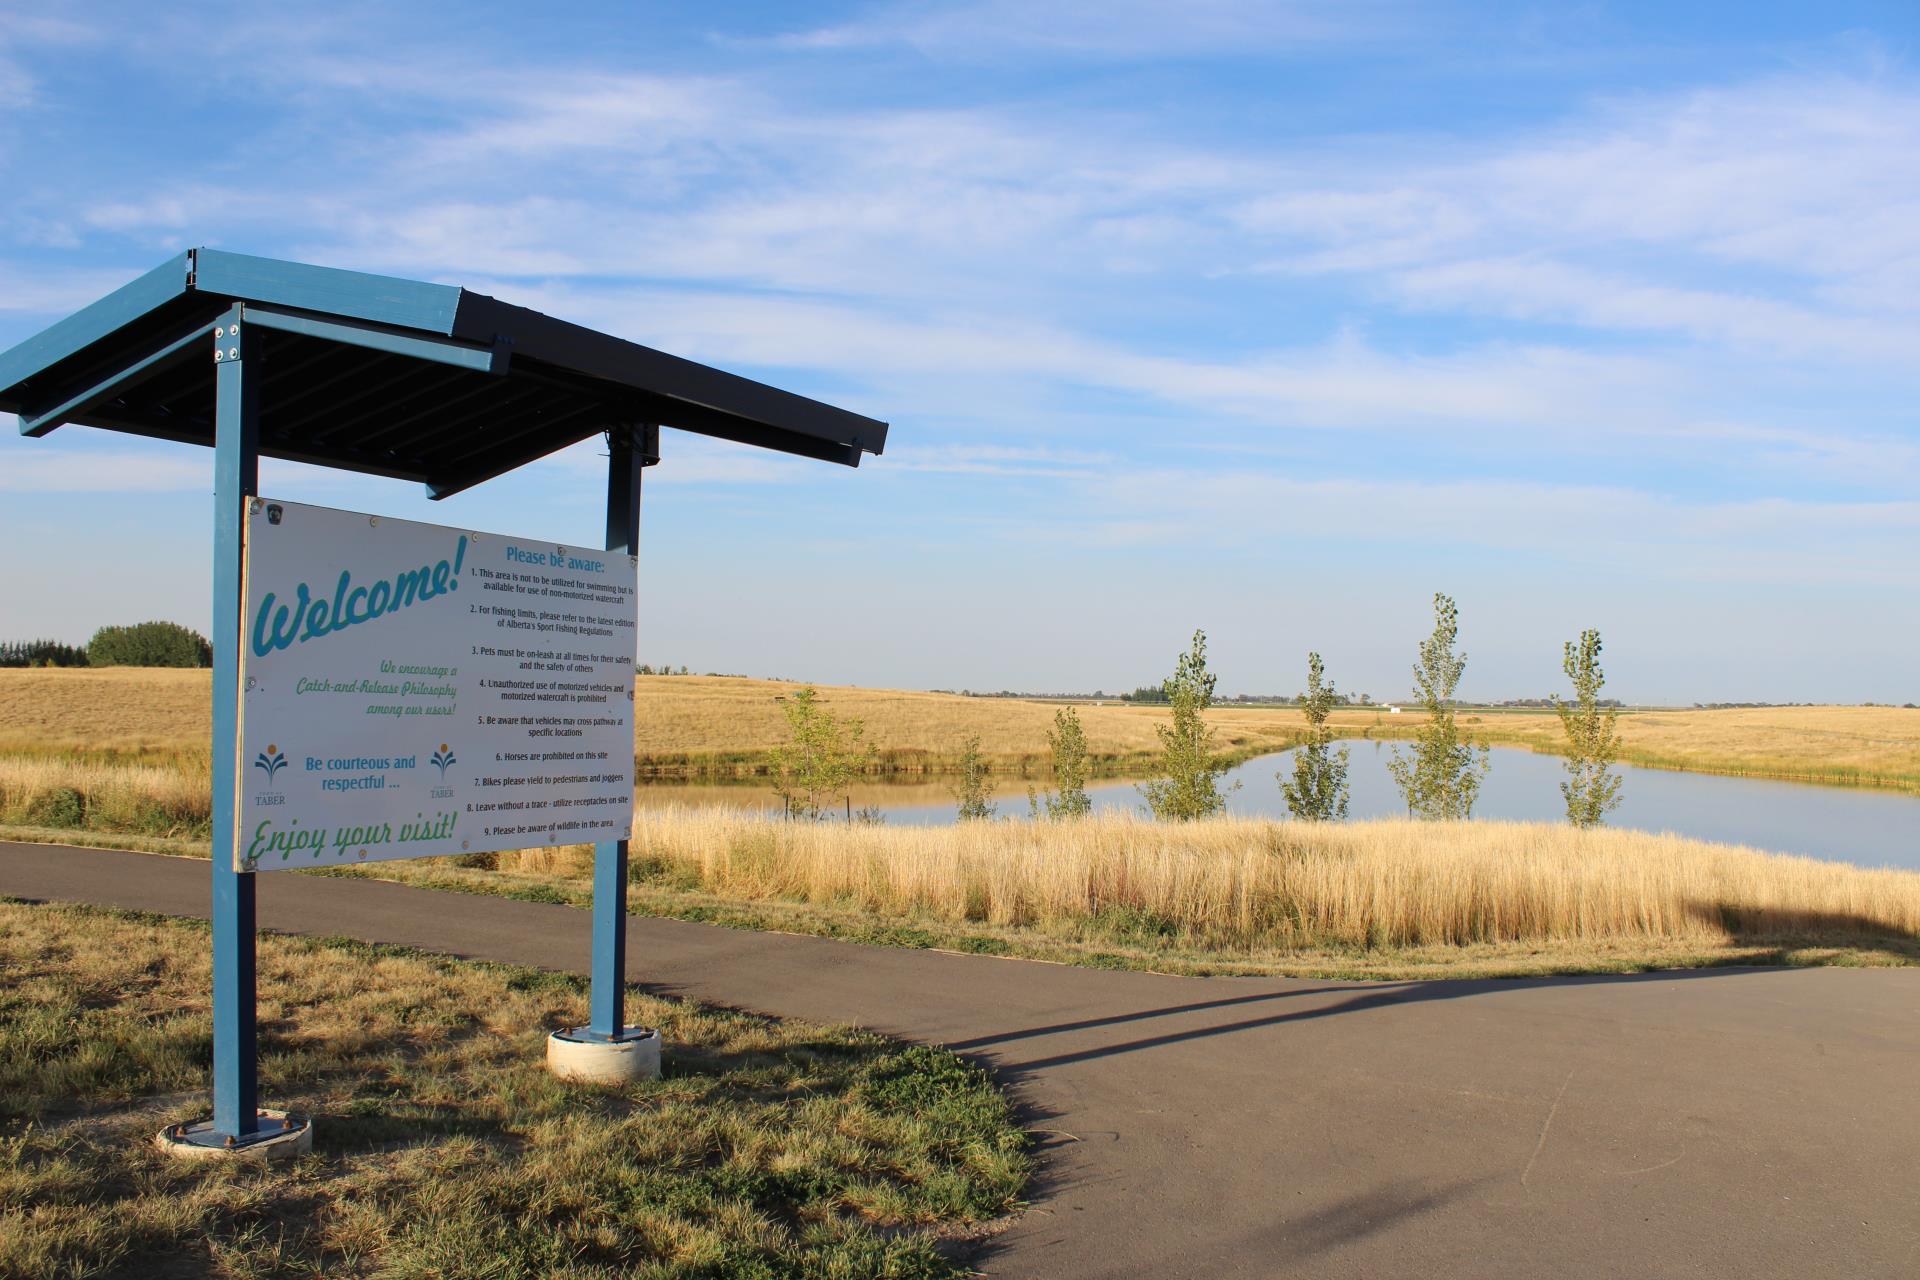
{"x":443,"y":1148}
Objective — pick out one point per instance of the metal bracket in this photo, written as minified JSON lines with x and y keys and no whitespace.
{"x":226,"y":342}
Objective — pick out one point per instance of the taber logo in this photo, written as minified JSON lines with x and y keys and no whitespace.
{"x":441,"y":760}
{"x":271,"y":760}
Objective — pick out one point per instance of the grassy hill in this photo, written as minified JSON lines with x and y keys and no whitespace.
{"x":691,"y":725}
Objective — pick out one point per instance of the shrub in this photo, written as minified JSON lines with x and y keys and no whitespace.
{"x":60,"y":807}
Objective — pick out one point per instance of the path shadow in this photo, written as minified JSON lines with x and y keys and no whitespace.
{"x":1786,"y":929}
{"x":981,"y":1042}
{"x":1359,"y":1001}
{"x":1354,"y":1218}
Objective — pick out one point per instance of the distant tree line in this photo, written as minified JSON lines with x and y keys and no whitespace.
{"x":41,"y":653}
{"x":144,"y":644}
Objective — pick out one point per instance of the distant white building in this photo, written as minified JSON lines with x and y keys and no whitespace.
{"x":1392,"y":710}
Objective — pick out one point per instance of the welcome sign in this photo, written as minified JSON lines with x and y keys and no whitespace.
{"x":410,"y":690}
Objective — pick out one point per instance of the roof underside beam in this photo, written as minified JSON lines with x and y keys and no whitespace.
{"x":73,"y":402}
{"x":388,"y":341}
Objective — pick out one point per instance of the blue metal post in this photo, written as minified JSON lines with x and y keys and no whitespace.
{"x":608,"y":1002}
{"x":236,"y":479}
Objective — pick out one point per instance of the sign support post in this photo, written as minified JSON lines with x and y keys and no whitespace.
{"x":236,"y":472}
{"x":626,"y":457}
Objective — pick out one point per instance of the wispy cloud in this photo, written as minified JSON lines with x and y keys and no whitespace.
{"x":35,"y":467}
{"x":23,"y":29}
{"x":1617,"y":530}
{"x":1109,"y":29}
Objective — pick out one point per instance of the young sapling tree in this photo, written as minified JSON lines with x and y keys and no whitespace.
{"x":818,"y":762}
{"x":1593,"y":739}
{"x":1188,"y":787}
{"x":1317,"y":792}
{"x":1440,"y":777}
{"x":1068,"y":743}
{"x":975,"y":789}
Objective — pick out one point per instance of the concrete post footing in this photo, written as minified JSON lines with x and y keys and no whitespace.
{"x":579,"y":1054}
{"x":281,"y":1135}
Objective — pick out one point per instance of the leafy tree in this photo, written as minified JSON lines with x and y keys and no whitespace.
{"x":1440,"y":779}
{"x":1593,"y":742}
{"x":1068,"y":742}
{"x":1318,"y":791}
{"x":819,"y":761}
{"x":149,"y":644}
{"x":1189,"y":786}
{"x":975,"y":790}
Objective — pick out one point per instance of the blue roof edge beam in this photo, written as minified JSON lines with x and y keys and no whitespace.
{"x":97,"y":320}
{"x":359,"y":295}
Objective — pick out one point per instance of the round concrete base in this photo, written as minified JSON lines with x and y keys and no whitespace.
{"x":281,"y":1136}
{"x":578,"y":1054}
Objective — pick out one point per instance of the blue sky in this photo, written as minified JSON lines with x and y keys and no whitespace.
{"x":1271,"y":319}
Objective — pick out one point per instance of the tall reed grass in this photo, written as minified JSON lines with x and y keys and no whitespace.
{"x":1224,"y":885}
{"x":155,"y":800}
{"x":1234,"y":883}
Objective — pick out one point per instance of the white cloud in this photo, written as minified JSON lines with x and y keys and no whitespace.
{"x":1800,"y":190}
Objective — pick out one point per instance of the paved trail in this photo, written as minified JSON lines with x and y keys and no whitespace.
{"x":1736,"y":1123}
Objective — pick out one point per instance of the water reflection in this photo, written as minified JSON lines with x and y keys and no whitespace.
{"x":1869,"y":828}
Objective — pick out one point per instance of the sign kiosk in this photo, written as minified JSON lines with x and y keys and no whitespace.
{"x":382,"y":688}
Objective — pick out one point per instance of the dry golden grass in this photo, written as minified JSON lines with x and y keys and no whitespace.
{"x":128,"y":713}
{"x":114,"y":713}
{"x":155,"y":800}
{"x":1862,"y":746}
{"x":1278,"y":896}
{"x":1236,"y":883}
{"x":1388,"y":899}
{"x":726,"y":724}
{"x":442,"y":1146}
{"x":698,"y":719}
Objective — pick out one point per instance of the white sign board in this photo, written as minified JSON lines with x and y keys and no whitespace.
{"x":409,"y":690}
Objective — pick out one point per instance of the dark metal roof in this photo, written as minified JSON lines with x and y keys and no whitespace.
{"x":395,"y":377}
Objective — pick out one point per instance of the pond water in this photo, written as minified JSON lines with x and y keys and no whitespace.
{"x":1868,"y":828}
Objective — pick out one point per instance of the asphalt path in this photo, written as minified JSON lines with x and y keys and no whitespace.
{"x":1727,"y":1122}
